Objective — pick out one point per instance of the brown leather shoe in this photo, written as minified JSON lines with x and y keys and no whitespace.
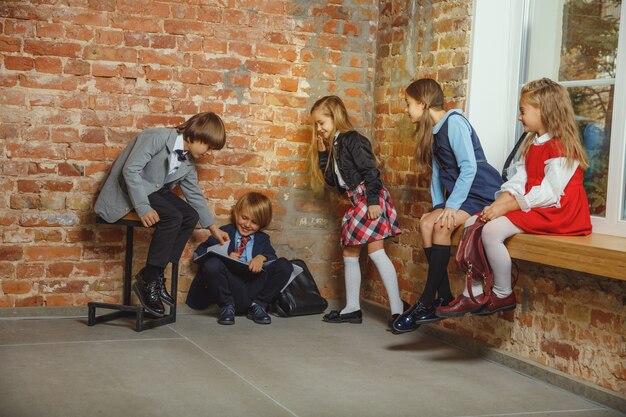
{"x":496,"y":304}
{"x":462,"y":305}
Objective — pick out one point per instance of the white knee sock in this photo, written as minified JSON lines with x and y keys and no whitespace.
{"x":352,"y":272}
{"x":388,"y":274}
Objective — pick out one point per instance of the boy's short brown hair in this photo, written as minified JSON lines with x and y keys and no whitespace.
{"x":207,"y":128}
{"x":259,"y":207}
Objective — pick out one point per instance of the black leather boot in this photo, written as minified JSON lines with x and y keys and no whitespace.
{"x":148,"y":295}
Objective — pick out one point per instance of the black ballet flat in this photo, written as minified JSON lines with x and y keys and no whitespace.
{"x":355,"y":317}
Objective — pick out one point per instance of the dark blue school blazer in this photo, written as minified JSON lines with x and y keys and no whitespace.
{"x":262,"y":245}
{"x":198,"y":297}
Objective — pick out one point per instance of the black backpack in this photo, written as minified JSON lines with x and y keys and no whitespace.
{"x":301,"y":296}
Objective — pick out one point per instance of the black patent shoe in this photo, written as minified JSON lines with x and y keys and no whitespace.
{"x":148,"y":295}
{"x":429,"y":315}
{"x":406,"y":321}
{"x":335,"y":316}
{"x":258,"y":314}
{"x":163,"y":294}
{"x":405,"y":307}
{"x":227,"y":315}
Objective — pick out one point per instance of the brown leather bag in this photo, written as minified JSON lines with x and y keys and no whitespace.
{"x":471,"y":258}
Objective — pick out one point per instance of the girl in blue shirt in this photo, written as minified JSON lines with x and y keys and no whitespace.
{"x":462,"y":183}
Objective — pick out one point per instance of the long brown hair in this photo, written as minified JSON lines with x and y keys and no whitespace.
{"x":557,"y":116}
{"x":207,"y":128}
{"x":429,"y":93}
{"x":333,"y":107}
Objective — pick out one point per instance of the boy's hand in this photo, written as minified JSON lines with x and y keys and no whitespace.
{"x":256,"y":264}
{"x":374,"y":212}
{"x":150,"y":219}
{"x":219,"y":234}
{"x":234,"y":255}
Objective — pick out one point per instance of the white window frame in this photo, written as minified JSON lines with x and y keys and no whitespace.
{"x":499,"y":36}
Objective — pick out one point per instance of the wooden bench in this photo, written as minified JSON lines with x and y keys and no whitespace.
{"x":596,"y":254}
{"x":131,"y":220}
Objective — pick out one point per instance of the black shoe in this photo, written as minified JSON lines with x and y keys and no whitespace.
{"x":163,"y":294}
{"x":258,"y":315}
{"x":149,"y":296}
{"x":429,"y":314}
{"x":405,"y":307}
{"x":227,"y":315}
{"x":335,"y":316}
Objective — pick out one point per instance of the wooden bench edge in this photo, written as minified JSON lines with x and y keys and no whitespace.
{"x":597,"y":254}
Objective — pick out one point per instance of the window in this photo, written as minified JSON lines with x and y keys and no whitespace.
{"x":574,"y":42}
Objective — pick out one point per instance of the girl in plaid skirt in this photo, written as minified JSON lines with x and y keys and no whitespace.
{"x":346,"y":162}
{"x":462,"y":183}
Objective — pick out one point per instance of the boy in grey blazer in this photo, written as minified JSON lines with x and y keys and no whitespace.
{"x":142,"y":178}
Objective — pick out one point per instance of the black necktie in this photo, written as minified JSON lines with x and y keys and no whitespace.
{"x":181,"y":155}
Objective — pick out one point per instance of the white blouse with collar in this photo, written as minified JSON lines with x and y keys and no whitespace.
{"x":549,"y":192}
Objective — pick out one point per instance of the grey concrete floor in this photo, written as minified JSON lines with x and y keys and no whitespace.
{"x":294,"y":367}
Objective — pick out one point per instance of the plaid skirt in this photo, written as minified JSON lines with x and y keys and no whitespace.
{"x":357,"y":229}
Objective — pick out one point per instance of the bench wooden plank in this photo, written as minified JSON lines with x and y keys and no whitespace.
{"x":596,"y":254}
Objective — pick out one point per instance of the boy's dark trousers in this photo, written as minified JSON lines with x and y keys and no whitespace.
{"x":224,"y":287}
{"x":177,"y":221}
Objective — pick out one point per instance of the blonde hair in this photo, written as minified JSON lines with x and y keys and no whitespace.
{"x":333,"y":107}
{"x":429,"y":93}
{"x":259,"y":207}
{"x":207,"y":128}
{"x":557,"y":117}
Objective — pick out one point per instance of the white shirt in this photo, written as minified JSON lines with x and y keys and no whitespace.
{"x":342,"y":183}
{"x":549,"y":192}
{"x":174,"y":162}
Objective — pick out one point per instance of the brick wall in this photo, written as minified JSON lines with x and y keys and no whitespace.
{"x":77,"y":83}
{"x":80,"y":79}
{"x":568,"y":321}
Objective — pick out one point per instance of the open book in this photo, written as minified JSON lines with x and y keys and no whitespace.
{"x":240,"y":268}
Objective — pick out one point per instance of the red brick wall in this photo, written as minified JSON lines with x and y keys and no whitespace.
{"x":78,"y":81}
{"x":572,"y":322}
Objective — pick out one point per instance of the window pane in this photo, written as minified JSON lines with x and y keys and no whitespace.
{"x":593,"y":107}
{"x":589,"y":43}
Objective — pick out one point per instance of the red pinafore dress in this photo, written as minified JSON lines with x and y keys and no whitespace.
{"x":572,"y":217}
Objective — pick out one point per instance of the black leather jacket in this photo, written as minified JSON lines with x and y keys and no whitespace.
{"x":356,"y":162}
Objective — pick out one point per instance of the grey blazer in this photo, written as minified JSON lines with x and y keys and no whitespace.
{"x":140,"y":170}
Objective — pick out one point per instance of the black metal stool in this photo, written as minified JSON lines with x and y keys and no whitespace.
{"x":131,"y":220}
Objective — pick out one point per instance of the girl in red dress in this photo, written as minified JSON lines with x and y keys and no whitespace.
{"x":544,"y":196}
{"x":347,"y":163}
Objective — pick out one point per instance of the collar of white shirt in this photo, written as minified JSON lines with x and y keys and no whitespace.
{"x":174,"y":162}
{"x":539,"y":140}
{"x":178,"y":145}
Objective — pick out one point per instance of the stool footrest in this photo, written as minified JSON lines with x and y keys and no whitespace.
{"x":127,"y":311}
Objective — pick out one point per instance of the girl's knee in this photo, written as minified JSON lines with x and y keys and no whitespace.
{"x":352,"y":251}
{"x":442,"y":232}
{"x":427,"y":225}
